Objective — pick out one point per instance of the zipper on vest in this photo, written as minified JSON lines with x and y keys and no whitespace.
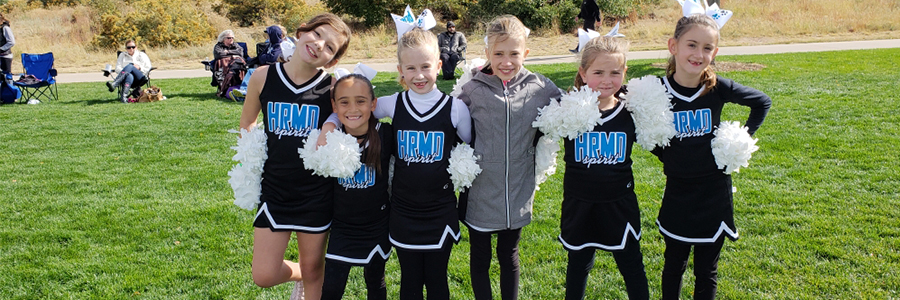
{"x":506,"y":189}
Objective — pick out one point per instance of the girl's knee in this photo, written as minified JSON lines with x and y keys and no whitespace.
{"x":264,"y":278}
{"x":312,"y":270}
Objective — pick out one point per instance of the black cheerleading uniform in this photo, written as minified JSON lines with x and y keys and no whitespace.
{"x":697,"y":205}
{"x":600,"y":209}
{"x":293,"y":199}
{"x":359,"y":231}
{"x":423,"y":202}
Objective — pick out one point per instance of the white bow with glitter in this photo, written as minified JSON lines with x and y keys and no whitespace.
{"x":287,"y":49}
{"x":527,"y":33}
{"x":690,"y":7}
{"x":407,"y":22}
{"x":585,"y":36}
{"x":360,"y":69}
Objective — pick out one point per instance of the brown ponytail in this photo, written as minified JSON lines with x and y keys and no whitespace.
{"x":708,"y":77}
{"x":373,"y":156}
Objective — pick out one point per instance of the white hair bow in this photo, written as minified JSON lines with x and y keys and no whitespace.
{"x":585,"y":36}
{"x":527,"y":33}
{"x":360,"y":69}
{"x":287,"y":49}
{"x":407,"y":22}
{"x":690,"y":7}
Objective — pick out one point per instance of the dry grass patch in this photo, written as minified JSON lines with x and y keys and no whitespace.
{"x":67,"y":32}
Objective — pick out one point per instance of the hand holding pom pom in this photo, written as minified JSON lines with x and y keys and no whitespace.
{"x":338,"y":158}
{"x":574,"y":114}
{"x":246,"y":176}
{"x":732,"y":146}
{"x":648,"y":102}
{"x":463,"y":168}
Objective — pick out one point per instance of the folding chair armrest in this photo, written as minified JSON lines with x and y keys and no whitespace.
{"x":206,"y":64}
{"x":53,"y":73}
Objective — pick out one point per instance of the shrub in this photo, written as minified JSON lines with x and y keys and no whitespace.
{"x":372,"y":12}
{"x":535,"y":14}
{"x":155,"y":23}
{"x":298,"y":14}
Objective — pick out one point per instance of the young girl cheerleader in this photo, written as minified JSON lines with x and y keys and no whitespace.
{"x":294,"y":98}
{"x":503,"y":98}
{"x":606,"y":217}
{"x":426,"y":123}
{"x":359,"y":231}
{"x":697,"y":208}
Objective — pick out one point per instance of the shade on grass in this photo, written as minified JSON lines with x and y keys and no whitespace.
{"x":106,"y":200}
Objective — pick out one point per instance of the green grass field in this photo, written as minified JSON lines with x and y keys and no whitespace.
{"x":110,"y":201}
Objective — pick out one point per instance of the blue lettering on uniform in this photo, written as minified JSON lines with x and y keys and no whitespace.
{"x":364,"y":178}
{"x":593,"y":148}
{"x":292,"y":119}
{"x":420,"y":146}
{"x":693,"y":123}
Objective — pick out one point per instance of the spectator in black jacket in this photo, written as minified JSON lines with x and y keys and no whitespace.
{"x":453,"y":49}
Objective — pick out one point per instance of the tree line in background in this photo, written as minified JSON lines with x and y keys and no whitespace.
{"x":178,"y":23}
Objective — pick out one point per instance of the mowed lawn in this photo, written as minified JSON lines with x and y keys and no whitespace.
{"x":104,"y":200}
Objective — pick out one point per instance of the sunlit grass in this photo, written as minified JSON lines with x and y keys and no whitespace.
{"x":108,"y":200}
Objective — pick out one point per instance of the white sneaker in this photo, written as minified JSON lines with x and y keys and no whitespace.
{"x":297,"y":294}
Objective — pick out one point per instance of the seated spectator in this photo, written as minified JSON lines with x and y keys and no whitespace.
{"x":228,"y":60}
{"x":453,"y":49}
{"x":130,"y":68}
{"x":272,"y":52}
{"x":226,"y":47}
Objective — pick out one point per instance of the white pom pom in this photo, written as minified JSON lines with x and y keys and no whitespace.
{"x":574,"y":114}
{"x":338,"y":158}
{"x":544,"y":160}
{"x":246,"y":185}
{"x":246,"y":176}
{"x":648,"y":102}
{"x":466,"y":75}
{"x":463,"y":169}
{"x":732,"y":146}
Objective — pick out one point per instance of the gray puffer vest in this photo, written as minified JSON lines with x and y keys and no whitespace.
{"x":501,"y":197}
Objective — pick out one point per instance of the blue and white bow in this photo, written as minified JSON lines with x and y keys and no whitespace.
{"x":690,"y":7}
{"x":360,"y":69}
{"x":407,"y":22}
{"x":585,"y":36}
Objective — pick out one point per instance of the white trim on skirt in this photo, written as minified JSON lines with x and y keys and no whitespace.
{"x":361,"y":261}
{"x":722,"y":228}
{"x":439,"y":245}
{"x":274,"y":225}
{"x":628,"y":228}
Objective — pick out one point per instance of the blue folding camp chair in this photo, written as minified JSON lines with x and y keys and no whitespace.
{"x":41,"y":67}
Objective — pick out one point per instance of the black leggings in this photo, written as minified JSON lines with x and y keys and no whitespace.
{"x":336,"y":274}
{"x":428,"y":269}
{"x":508,"y":257}
{"x":630,"y":263}
{"x":6,"y":65}
{"x":706,"y":264}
